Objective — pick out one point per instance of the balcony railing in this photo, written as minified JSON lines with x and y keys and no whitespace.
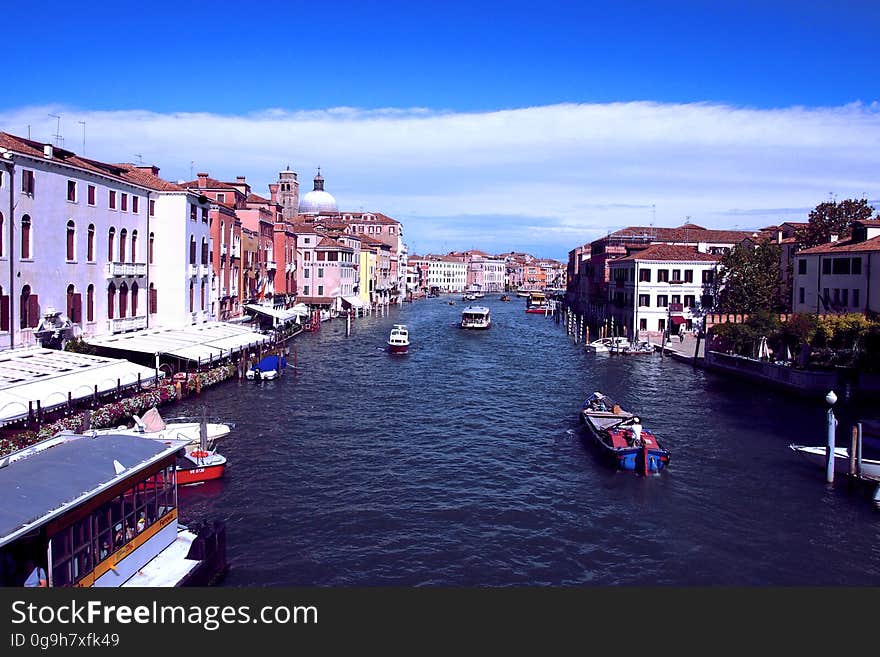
{"x":126,"y":269}
{"x":122,"y":324}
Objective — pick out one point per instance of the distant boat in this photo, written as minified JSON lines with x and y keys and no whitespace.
{"x":398,"y":341}
{"x":537,"y":303}
{"x":605,"y":345}
{"x":475,"y":317}
{"x":505,"y":297}
{"x":621,"y":436}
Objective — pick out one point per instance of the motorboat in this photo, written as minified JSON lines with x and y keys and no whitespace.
{"x":475,"y":317}
{"x":398,"y":340}
{"x":505,"y":297}
{"x":633,"y":349}
{"x":537,"y":303}
{"x":818,"y":456}
{"x":606,"y":345}
{"x":267,"y":369}
{"x":152,"y":425}
{"x":469,"y":297}
{"x":621,"y":436}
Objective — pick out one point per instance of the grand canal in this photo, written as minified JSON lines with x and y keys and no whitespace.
{"x":462,"y":463}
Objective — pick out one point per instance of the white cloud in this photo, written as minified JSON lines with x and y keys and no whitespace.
{"x":552,"y":176}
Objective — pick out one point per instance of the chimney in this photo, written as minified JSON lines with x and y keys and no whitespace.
{"x":152,"y":168}
{"x":203,"y":180}
{"x":273,"y":192}
{"x":779,"y":237}
{"x":240,"y":180}
{"x":48,"y":151}
{"x":833,"y":237}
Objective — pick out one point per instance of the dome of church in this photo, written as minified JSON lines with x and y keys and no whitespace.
{"x":317,"y":200}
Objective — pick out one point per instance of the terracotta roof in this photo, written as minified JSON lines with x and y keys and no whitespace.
{"x":869,"y":222}
{"x":328,"y":242}
{"x":210,"y":183}
{"x":304,"y":228}
{"x":358,"y":218}
{"x":254,"y":198}
{"x":844,"y":246}
{"x":140,"y":176}
{"x":690,"y":233}
{"x":317,"y":301}
{"x":670,"y":252}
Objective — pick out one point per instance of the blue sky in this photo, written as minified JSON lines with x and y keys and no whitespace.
{"x":501,"y":126}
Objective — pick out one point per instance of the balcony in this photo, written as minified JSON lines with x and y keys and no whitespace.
{"x":271,"y":265}
{"x":123,"y":324}
{"x":126,"y":269}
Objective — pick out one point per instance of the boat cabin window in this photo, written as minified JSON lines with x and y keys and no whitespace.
{"x":78,"y":548}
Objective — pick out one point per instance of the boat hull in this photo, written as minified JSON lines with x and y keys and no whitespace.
{"x":817,"y":456}
{"x":200,"y":474}
{"x":398,"y":348}
{"x":538,"y":311}
{"x":646,"y":458}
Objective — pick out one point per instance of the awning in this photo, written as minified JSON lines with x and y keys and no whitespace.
{"x":201,"y":342}
{"x":354,"y":302}
{"x":48,"y":376}
{"x":279,"y":315}
{"x":677,"y":319}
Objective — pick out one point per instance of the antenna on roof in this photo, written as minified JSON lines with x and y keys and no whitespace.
{"x":83,"y":124}
{"x":58,"y":138}
{"x":140,"y":158}
{"x":191,"y":164}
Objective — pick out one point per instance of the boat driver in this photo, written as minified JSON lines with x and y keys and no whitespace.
{"x":636,"y":429}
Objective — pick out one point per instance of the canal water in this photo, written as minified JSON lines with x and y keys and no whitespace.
{"x":463,"y":463}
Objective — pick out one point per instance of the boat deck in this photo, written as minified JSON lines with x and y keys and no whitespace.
{"x":169,"y":567}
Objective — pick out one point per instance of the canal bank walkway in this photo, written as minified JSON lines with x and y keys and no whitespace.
{"x":684,"y":350}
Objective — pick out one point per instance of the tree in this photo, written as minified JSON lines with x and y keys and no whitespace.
{"x":832,"y":218}
{"x":750,"y":278}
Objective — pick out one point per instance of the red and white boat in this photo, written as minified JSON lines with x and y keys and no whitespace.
{"x":199,"y":465}
{"x":398,"y":341}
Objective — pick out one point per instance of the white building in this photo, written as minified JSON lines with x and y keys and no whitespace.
{"x":662,"y":287}
{"x":447,"y":273}
{"x":842,"y":276}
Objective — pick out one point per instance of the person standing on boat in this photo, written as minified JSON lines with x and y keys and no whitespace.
{"x":636,"y":429}
{"x":37,"y":576}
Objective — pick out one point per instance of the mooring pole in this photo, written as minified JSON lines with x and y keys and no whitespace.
{"x":859,"y":450}
{"x":831,"y":398}
{"x":853,"y":451}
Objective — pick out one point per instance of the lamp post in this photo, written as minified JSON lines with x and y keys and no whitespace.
{"x":831,"y":399}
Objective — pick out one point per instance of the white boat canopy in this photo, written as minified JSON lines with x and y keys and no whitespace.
{"x":48,"y":376}
{"x":354,"y":302}
{"x":201,"y":342}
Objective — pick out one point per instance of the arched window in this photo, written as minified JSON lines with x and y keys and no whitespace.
{"x":2,"y":233}
{"x":192,"y":249}
{"x":26,"y":237}
{"x":134,"y":242}
{"x":154,"y":300}
{"x":30,"y":309}
{"x":111,"y":299}
{"x":71,"y":240}
{"x":90,"y":304}
{"x":203,"y":294}
{"x":123,"y":235}
{"x":74,"y":304}
{"x":134,"y":297}
{"x":150,"y":249}
{"x":111,"y":238}
{"x":90,"y":244}
{"x":190,"y":296}
{"x":205,"y":251}
{"x":123,"y":300}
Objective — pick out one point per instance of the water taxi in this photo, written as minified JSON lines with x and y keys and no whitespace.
{"x":475,"y":317}
{"x":537,"y":303}
{"x":101,"y":511}
{"x":398,"y":341}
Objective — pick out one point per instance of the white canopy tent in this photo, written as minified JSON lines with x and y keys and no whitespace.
{"x":279,"y":315}
{"x":51,"y":377}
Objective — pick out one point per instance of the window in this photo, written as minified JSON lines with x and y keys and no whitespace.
{"x":802,"y":266}
{"x":708,"y":276}
{"x":688,"y":275}
{"x":152,"y":208}
{"x":111,"y":299}
{"x":644,"y":300}
{"x":840,"y":266}
{"x":111,"y":238}
{"x":826,"y":296}
{"x":30,"y":308}
{"x":205,"y":252}
{"x":90,"y":303}
{"x":112,"y":201}
{"x":90,"y":243}
{"x":306,"y":290}
{"x":307,"y":255}
{"x":662,"y":301}
{"x":676,"y":298}
{"x":203,"y":295}
{"x":826,"y":266}
{"x":320,"y":272}
{"x":676,"y":274}
{"x":856,"y":266}
{"x":836,"y":296}
{"x":123,"y":243}
{"x":221,"y":197}
{"x":154,"y":299}
{"x":661,"y":324}
{"x":662,"y":275}
{"x":135,"y":204}
{"x":26,"y":237}
{"x":2,"y":233}
{"x":192,"y":250}
{"x":71,"y":191}
{"x":856,"y":297}
{"x":123,"y":204}
{"x":134,"y":239}
{"x":643,"y":324}
{"x":844,"y":296}
{"x":306,"y":273}
{"x":204,"y":215}
{"x":27,"y":182}
{"x":91,"y":194}
{"x":74,"y":305}
{"x":191,"y":288}
{"x":689,"y":300}
{"x":71,"y":241}
{"x":801,"y":295}
{"x":150,"y":248}
{"x":193,"y":210}
{"x":320,"y":290}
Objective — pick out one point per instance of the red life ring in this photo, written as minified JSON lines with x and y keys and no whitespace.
{"x":198,"y":453}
